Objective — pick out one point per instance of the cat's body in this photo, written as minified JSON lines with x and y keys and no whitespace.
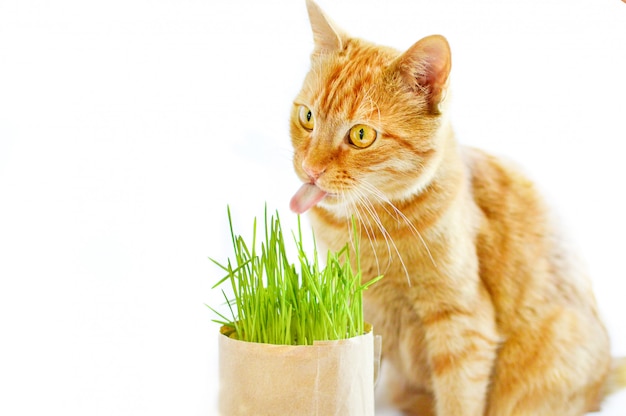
{"x":482,"y":309}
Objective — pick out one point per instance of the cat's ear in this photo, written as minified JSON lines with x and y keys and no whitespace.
{"x":327,"y":36}
{"x":425,"y":67}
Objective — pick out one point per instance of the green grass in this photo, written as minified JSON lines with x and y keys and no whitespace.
{"x":276,"y":301}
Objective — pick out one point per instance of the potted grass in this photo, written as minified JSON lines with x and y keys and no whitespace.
{"x":293,"y":340}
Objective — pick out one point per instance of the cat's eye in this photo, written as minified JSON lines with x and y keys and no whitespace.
{"x":307,"y":120}
{"x":362,"y":136}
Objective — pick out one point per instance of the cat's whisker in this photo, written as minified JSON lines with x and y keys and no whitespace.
{"x":385,"y":200}
{"x":371,"y":210}
{"x":388,"y":239}
{"x":369,"y":230}
{"x":351,"y":213}
{"x":367,"y":97}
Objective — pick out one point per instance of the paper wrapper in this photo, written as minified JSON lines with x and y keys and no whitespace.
{"x":329,"y":378}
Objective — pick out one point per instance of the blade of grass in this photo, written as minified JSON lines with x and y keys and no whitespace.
{"x":281,"y":303}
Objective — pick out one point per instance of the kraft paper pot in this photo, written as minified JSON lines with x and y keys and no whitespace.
{"x":329,"y":378}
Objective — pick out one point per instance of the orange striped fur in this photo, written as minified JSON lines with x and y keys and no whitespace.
{"x":482,"y":309}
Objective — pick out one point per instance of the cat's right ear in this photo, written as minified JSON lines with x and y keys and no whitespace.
{"x":425,"y":67}
{"x":328,"y":38}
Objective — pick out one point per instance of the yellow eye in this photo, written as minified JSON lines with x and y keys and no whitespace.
{"x":306,"y":117}
{"x":362,"y":136}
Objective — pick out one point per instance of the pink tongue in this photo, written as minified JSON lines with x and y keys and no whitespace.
{"x":307,"y":196}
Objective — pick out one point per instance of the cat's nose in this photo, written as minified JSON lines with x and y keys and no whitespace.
{"x":313,"y":172}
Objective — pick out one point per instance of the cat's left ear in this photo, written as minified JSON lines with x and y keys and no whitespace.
{"x":327,"y":36}
{"x":425,"y":67}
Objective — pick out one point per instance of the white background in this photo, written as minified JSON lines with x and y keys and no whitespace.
{"x":126,"y":127}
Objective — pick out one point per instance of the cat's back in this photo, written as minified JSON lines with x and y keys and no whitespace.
{"x":526,"y":262}
{"x":500,"y":188}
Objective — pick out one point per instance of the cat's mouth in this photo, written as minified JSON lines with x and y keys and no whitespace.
{"x":306,"y":197}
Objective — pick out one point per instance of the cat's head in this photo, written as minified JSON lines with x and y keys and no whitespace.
{"x":365,"y":124}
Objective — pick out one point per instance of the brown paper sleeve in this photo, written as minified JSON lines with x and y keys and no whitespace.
{"x":329,"y":378}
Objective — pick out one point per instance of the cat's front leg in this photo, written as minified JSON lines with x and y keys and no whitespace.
{"x":462,"y":342}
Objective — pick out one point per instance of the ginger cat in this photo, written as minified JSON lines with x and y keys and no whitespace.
{"x":482,"y":308}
